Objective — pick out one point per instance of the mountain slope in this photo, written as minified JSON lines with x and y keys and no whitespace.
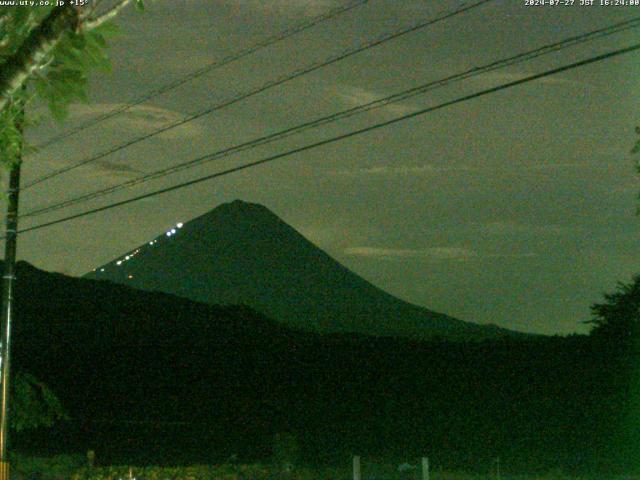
{"x":241,"y":253}
{"x":149,"y":377}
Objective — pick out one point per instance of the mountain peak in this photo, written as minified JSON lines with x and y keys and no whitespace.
{"x":243,"y":253}
{"x":240,"y":205}
{"x":240,"y":210}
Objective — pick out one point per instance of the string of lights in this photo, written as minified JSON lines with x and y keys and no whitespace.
{"x":271,"y":84}
{"x":338,"y":138}
{"x":375,"y":104}
{"x":272,"y":40}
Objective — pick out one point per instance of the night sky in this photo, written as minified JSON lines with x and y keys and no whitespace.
{"x":517,"y":208}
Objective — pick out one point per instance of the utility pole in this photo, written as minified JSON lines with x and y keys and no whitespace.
{"x":356,"y":468}
{"x":8,"y":278}
{"x":425,"y":468}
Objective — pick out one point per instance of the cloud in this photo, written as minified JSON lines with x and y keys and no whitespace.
{"x":413,"y":170}
{"x":104,"y":167}
{"x":626,"y":188}
{"x":459,"y":254}
{"x":322,"y":234}
{"x":509,"y":228}
{"x":290,"y":8}
{"x":428,"y":169}
{"x":568,"y":165}
{"x":356,"y":96}
{"x":510,"y":255}
{"x":439,"y":253}
{"x":141,"y":118}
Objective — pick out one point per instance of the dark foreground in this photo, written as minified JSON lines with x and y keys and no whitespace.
{"x":149,"y":378}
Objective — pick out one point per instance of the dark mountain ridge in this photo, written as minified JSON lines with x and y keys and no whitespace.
{"x":242,"y":253}
{"x":148,"y":377}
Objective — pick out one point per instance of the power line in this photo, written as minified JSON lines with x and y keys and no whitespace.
{"x":344,"y":136}
{"x":271,"y":84}
{"x":284,"y":35}
{"x":406,"y":94}
{"x":297,"y":73}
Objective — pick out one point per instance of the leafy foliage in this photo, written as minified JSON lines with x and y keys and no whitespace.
{"x":196,"y":472}
{"x":636,"y":147}
{"x":619,"y":316}
{"x":260,"y":472}
{"x":285,"y":450}
{"x":65,"y":79}
{"x":60,"y":77}
{"x":11,"y":125}
{"x":33,"y":404}
{"x":179,"y":382}
{"x":46,"y":468}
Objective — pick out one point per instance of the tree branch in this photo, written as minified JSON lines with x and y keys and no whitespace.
{"x":92,"y":23}
{"x":16,"y":69}
{"x":4,"y":19}
{"x":88,"y":11}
